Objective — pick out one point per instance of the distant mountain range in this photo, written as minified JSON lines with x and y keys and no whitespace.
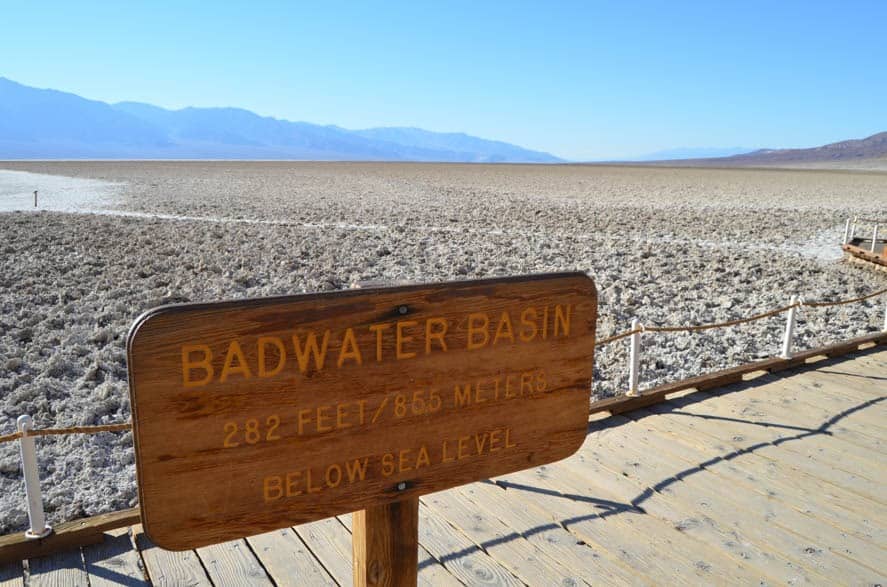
{"x":692,"y":153}
{"x":843,"y":152}
{"x":48,"y":124}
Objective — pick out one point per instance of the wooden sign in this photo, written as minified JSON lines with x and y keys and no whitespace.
{"x":259,"y":414}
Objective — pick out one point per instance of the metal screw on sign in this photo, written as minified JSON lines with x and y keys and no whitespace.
{"x":38,"y":526}
{"x":789,"y":330}
{"x":634,"y":358}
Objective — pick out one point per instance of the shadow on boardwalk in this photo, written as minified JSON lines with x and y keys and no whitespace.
{"x":604,"y":508}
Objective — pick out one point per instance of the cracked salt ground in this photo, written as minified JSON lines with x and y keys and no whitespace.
{"x":71,"y":284}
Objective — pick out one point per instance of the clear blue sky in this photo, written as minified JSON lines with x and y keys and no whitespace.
{"x":584,"y":80}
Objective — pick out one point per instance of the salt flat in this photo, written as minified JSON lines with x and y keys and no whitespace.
{"x":666,"y":245}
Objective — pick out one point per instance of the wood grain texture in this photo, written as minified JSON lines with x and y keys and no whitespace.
{"x":114,"y":561}
{"x":63,"y":569}
{"x":636,"y":539}
{"x":240,"y":427}
{"x":815,"y":546}
{"x":330,"y":543}
{"x":385,"y":543}
{"x":598,"y":465}
{"x":460,"y":556}
{"x":431,"y":572}
{"x":233,"y":563}
{"x":525,"y":561}
{"x":170,"y":569}
{"x":287,"y":560}
{"x":532,"y":523}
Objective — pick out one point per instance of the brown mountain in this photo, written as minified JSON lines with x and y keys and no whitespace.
{"x":840,"y":154}
{"x":872,"y":147}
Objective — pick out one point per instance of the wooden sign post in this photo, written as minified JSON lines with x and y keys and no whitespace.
{"x":254,"y":415}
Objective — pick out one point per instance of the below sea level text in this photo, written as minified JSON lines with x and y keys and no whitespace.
{"x":313,"y":480}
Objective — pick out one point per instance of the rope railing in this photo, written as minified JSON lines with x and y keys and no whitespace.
{"x":120,"y":427}
{"x":124,"y":426}
{"x":736,"y":322}
{"x":850,"y":230}
{"x":26,"y":434}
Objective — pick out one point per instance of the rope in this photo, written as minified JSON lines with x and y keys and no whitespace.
{"x":615,"y":337}
{"x":127,"y":426}
{"x":800,"y":303}
{"x":842,"y":302}
{"x":81,"y":429}
{"x":721,"y":324}
{"x":71,"y":430}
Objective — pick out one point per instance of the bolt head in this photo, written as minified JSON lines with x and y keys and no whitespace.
{"x":403,"y":310}
{"x":401,"y":486}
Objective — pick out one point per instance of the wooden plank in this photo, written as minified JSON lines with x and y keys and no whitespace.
{"x":385,"y":544}
{"x":461,"y":557}
{"x":835,"y":387}
{"x":866,"y":255}
{"x":832,"y":443}
{"x":637,"y":539}
{"x":115,"y":561}
{"x":67,"y":535}
{"x":63,"y":569}
{"x":777,"y":454}
{"x":168,"y":568}
{"x":287,"y":560}
{"x":749,"y":496}
{"x":840,"y":386}
{"x":597,"y":464}
{"x":814,"y":398}
{"x":816,"y":548}
{"x":537,"y":527}
{"x":846,"y":383}
{"x":523,"y":559}
{"x":565,"y":512}
{"x":232,"y":563}
{"x":12,"y":575}
{"x":831,"y":503}
{"x":251,"y":415}
{"x":330,"y":543}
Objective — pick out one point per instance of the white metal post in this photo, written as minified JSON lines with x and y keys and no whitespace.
{"x":874,"y":237}
{"x":846,"y":232}
{"x":852,"y":230}
{"x":789,"y":330}
{"x":39,"y":528}
{"x":885,"y":316}
{"x":634,"y":358}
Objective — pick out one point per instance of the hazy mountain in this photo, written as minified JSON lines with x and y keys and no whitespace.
{"x":692,"y":153}
{"x":473,"y":148}
{"x":48,"y":124}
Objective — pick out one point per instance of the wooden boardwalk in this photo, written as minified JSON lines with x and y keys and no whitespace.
{"x":772,"y":481}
